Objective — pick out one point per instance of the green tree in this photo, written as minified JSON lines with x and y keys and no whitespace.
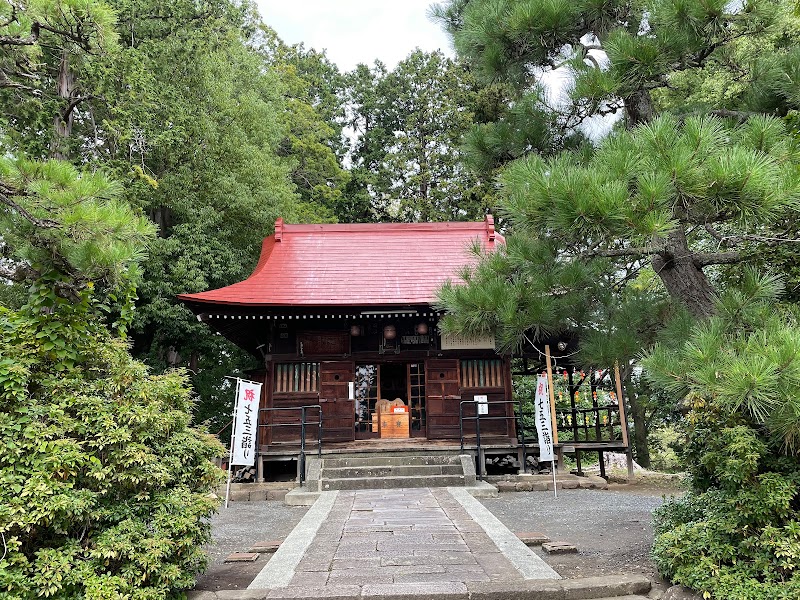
{"x":367,"y":176}
{"x":104,"y":487}
{"x":407,"y":160}
{"x":313,"y":118}
{"x":678,"y":202}
{"x":735,"y":535}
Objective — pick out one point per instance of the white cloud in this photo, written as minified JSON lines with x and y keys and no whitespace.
{"x":357,"y":31}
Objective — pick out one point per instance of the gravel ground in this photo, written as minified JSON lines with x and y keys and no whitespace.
{"x":234,"y":529}
{"x":611,"y":528}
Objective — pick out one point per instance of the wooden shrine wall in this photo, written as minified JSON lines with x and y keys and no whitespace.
{"x":445,"y":390}
{"x":448,"y":382}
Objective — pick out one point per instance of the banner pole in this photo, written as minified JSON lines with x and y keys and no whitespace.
{"x":552,"y":398}
{"x":233,"y":434}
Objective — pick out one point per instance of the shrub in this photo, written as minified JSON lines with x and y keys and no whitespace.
{"x":736,"y":535}
{"x":105,"y":489}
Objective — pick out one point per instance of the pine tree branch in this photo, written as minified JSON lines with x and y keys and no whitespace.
{"x":632,"y":251}
{"x":6,"y":192}
{"x":703,"y":259}
{"x":735,"y":240}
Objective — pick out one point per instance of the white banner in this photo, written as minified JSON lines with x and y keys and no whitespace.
{"x":543,"y":425}
{"x":246,"y":423}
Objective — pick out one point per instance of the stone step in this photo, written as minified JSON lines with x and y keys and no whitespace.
{"x":611,"y":587}
{"x":398,"y":460}
{"x":385,"y":483}
{"x":390,"y":471}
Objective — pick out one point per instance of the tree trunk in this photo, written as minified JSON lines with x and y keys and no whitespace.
{"x":639,"y":108}
{"x":684,"y":280}
{"x":637,"y":414}
{"x":640,"y":431}
{"x":162,"y":217}
{"x":62,"y":123}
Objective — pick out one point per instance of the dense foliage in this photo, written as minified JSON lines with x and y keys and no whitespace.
{"x":699,"y":179}
{"x":104,"y":487}
{"x":407,"y":161}
{"x":736,"y":535}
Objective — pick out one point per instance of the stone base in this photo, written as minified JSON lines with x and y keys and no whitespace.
{"x":252,"y":492}
{"x":533,"y":538}
{"x":266,"y":547}
{"x":544,"y":483}
{"x":559,"y":548}
{"x":242,"y":557}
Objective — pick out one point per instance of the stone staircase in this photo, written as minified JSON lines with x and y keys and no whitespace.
{"x":388,"y":471}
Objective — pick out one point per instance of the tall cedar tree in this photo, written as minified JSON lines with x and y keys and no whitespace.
{"x":105,"y":487}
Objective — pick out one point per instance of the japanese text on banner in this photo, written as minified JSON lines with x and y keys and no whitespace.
{"x":543,"y":425}
{"x":244,"y":439}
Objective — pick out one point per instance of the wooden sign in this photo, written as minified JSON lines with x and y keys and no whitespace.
{"x":323,"y":343}
{"x":457,"y":342}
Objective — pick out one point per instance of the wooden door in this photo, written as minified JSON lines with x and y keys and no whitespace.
{"x":337,"y":409}
{"x":442,"y":398}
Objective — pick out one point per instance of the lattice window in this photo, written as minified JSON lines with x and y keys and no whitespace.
{"x":296,"y":377}
{"x":416,"y":395}
{"x":367,"y":386}
{"x":481,"y":373}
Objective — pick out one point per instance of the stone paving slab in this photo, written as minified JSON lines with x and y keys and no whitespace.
{"x":405,"y":540}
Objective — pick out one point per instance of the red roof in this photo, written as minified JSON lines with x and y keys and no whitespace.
{"x":355,"y":265}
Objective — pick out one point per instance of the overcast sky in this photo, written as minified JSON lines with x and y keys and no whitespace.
{"x":354,"y":31}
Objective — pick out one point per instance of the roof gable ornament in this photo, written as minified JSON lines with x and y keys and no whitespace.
{"x":490,"y":226}
{"x":279,"y":229}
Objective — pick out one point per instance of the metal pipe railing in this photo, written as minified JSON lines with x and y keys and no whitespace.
{"x":301,"y":459}
{"x":515,"y":419}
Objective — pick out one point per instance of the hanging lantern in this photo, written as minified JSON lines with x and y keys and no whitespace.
{"x":389,"y":332}
{"x":355,"y":330}
{"x":422,"y":328}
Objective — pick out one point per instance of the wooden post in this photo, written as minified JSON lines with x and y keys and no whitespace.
{"x":549,"y":362}
{"x":623,"y":421}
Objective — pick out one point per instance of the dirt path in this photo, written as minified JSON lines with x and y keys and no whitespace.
{"x":612,"y":529}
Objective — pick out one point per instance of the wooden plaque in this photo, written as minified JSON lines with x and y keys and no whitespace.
{"x":323,"y":343}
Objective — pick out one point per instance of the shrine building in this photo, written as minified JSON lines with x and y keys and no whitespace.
{"x":342,"y":317}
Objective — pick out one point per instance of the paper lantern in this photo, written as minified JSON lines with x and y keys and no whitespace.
{"x":355,"y":330}
{"x":422,"y":328}
{"x":389,"y":332}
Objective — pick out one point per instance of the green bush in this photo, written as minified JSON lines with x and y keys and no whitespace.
{"x":736,"y":535}
{"x":105,"y":490}
{"x":663,"y":442}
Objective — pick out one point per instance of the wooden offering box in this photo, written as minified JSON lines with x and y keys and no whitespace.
{"x":394,"y":423}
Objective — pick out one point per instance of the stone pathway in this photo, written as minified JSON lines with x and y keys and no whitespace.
{"x":382,"y":542}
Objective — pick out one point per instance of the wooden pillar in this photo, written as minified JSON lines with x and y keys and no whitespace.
{"x":623,"y":421}
{"x":559,"y":454}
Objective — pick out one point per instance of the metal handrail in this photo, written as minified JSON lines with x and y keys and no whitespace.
{"x":301,"y":459}
{"x":477,"y":418}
